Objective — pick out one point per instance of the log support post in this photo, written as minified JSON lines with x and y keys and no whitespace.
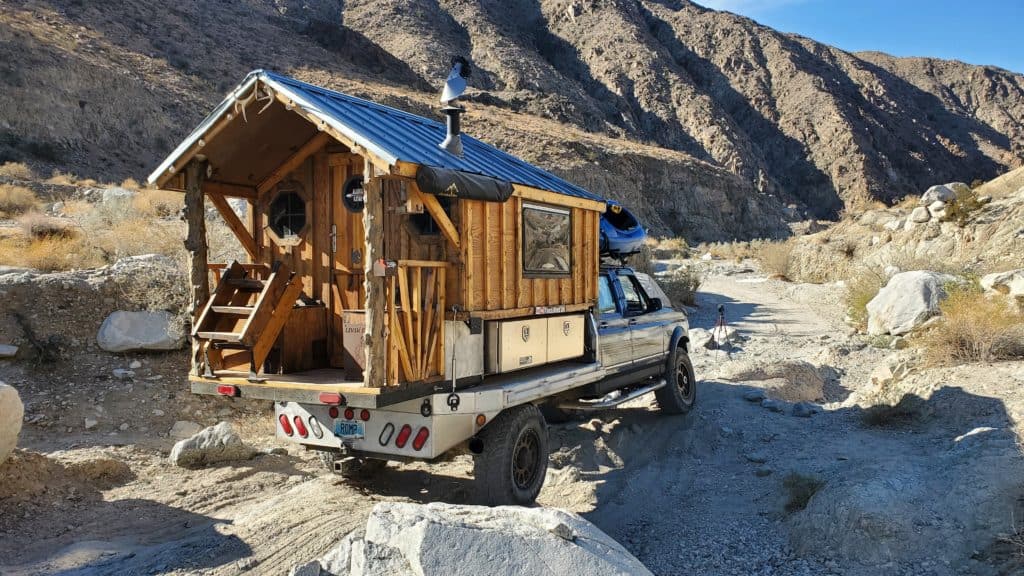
{"x":375,"y":337}
{"x":195,"y":244}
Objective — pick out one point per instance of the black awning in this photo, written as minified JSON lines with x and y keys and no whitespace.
{"x":453,"y":183}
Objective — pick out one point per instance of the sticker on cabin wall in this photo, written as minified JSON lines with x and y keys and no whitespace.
{"x":548,"y":309}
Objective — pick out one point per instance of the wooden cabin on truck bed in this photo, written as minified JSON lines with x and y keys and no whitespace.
{"x":374,"y":257}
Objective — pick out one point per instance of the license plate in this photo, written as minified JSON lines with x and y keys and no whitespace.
{"x":349,"y":429}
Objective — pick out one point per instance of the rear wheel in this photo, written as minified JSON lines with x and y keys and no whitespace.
{"x":680,"y":390}
{"x":514,"y":461}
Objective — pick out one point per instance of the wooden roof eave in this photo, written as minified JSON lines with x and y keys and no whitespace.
{"x":408,"y":170}
{"x":224,"y":114}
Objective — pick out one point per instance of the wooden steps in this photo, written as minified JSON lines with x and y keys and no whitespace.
{"x":231,"y":319}
{"x":236,"y":310}
{"x":225,"y":336}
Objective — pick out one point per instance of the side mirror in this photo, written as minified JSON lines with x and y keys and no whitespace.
{"x":654,"y":305}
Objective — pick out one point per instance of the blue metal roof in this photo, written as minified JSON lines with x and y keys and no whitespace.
{"x":410,"y":138}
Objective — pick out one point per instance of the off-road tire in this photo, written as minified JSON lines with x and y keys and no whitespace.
{"x":351,"y":466}
{"x":679,"y":393}
{"x":514,"y":461}
{"x":555,"y":415}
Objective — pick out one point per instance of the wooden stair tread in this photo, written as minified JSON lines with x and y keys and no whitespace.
{"x":227,"y":336}
{"x":246,"y":284}
{"x":238,"y":310}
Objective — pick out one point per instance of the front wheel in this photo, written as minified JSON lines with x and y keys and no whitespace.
{"x":514,"y":460}
{"x":680,"y":390}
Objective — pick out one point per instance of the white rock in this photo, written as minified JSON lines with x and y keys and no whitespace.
{"x":90,"y":423}
{"x":895,"y":224}
{"x":124,"y":426}
{"x":906,"y":302}
{"x":158,"y":412}
{"x":1010,"y":283}
{"x":919,"y":215}
{"x":12,"y":411}
{"x":217,"y":443}
{"x":8,"y":351}
{"x":117,"y":195}
{"x":707,"y":257}
{"x":415,"y":539}
{"x":937,"y":210}
{"x":124,"y":331}
{"x":135,"y":365}
{"x":700,"y":338}
{"x":939,"y":193}
{"x":184,"y":429}
{"x":122,"y":374}
{"x":891,"y":271}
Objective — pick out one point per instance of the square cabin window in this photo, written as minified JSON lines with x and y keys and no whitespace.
{"x":547,"y":244}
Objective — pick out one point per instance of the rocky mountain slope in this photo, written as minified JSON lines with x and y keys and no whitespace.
{"x":708,"y":121}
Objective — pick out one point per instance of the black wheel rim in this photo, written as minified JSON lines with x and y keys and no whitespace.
{"x":525,"y":461}
{"x":683,"y":380}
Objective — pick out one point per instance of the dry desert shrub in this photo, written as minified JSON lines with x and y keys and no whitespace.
{"x":974,"y":328}
{"x":775,"y":258}
{"x":643,"y":261}
{"x":38,"y":226}
{"x":157,"y":203}
{"x":15,"y":200}
{"x":681,"y":287}
{"x":17,"y":171}
{"x":49,"y":253}
{"x":670,"y":248}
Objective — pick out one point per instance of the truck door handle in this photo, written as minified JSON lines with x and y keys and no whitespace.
{"x":632,"y":322}
{"x":602,"y":325}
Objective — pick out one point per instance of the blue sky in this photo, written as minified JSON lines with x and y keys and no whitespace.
{"x":974,"y":31}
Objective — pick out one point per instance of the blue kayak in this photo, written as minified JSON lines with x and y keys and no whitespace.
{"x":621,"y":232}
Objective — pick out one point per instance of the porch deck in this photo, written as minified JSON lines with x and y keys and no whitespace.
{"x":307,"y":386}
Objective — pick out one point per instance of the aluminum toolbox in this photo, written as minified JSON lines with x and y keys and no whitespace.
{"x":516,"y":344}
{"x":565,"y":337}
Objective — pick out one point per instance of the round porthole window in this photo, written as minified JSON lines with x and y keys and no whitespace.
{"x":352,"y":194}
{"x":288,"y":215}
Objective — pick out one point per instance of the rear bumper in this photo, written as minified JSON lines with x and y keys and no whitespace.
{"x":309,"y":392}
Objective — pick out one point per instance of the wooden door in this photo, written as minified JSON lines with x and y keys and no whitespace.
{"x":346,"y":234}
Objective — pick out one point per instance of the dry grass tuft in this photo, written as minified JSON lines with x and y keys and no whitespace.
{"x":130,"y":184}
{"x":861,"y":288}
{"x":49,"y":253}
{"x":681,"y":287}
{"x":15,"y":200}
{"x":974,"y":328}
{"x":38,"y":226}
{"x":17,"y":171}
{"x":670,"y":248}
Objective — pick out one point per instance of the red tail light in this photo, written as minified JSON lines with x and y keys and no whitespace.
{"x":300,"y":427}
{"x":332,"y":411}
{"x":286,"y":426}
{"x":227,"y":390}
{"x":364,"y":415}
{"x":403,"y":436}
{"x":420,"y":439}
{"x":349,"y":414}
{"x":331,"y":398}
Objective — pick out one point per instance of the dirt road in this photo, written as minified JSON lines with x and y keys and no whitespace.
{"x":704,"y":493}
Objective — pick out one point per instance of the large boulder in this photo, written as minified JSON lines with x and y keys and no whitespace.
{"x":940,"y":193}
{"x":11,"y":413}
{"x":215,"y":444}
{"x":907,"y":301}
{"x":125,"y":331}
{"x":405,"y":539}
{"x":789,"y":380}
